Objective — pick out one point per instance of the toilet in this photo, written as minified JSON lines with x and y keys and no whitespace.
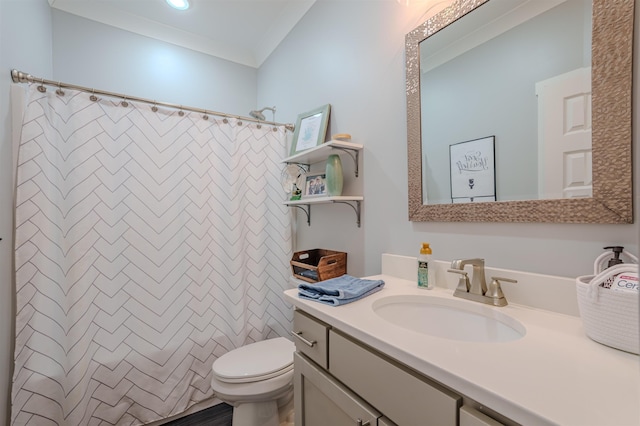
{"x":257,"y":380}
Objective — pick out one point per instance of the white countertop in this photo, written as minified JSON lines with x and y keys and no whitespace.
{"x":553,"y":375}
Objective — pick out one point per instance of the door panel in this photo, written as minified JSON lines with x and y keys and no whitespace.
{"x":564,"y":135}
{"x":320,"y":400}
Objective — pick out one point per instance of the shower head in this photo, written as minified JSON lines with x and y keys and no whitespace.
{"x":258,"y":115}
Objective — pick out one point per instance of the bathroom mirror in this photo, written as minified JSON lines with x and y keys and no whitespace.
{"x":610,"y":110}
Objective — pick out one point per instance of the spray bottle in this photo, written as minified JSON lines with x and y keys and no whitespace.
{"x":425,"y":274}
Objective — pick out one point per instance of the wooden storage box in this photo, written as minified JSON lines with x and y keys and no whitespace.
{"x":318,"y":264}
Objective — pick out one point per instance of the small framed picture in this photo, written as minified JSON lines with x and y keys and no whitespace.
{"x":473,"y":171}
{"x":315,"y":186}
{"x":311,"y":129}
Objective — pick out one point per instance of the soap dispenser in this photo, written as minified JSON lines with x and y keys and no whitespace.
{"x":425,"y":269}
{"x":615,"y":260}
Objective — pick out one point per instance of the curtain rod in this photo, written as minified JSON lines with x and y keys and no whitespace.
{"x":22,"y":77}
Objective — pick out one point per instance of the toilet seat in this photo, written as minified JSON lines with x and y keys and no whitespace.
{"x":255,"y":362}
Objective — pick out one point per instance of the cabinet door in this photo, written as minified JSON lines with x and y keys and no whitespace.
{"x":321,"y":401}
{"x":401,"y":394}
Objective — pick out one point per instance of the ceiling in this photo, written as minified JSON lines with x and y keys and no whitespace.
{"x":241,"y":31}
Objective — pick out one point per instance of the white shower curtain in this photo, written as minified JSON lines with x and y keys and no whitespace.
{"x":147,"y":244}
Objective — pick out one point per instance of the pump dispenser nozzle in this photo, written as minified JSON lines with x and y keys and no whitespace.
{"x":425,"y":249}
{"x":615,"y":260}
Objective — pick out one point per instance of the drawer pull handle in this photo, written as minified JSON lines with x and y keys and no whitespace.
{"x":298,"y":334}
{"x":360,"y":423}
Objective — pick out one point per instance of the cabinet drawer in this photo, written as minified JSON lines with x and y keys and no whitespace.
{"x":471,"y":417}
{"x":311,"y":337}
{"x":400,"y":394}
{"x":320,"y":400}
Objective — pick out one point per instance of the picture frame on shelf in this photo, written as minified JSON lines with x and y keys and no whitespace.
{"x":311,"y":129}
{"x":315,"y":186}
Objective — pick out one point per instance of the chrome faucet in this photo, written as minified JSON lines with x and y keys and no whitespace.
{"x":476,"y":289}
{"x":478,"y":284}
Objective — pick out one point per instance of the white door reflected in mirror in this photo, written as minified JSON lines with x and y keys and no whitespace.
{"x":564,"y":135}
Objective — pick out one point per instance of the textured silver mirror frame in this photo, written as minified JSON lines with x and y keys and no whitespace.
{"x":612,"y":201}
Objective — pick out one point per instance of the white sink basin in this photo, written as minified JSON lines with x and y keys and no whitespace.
{"x":449,"y":319}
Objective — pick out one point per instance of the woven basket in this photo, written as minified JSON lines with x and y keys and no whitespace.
{"x":609,"y":317}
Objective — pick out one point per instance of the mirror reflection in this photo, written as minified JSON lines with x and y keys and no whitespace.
{"x":505,"y":96}
{"x":608,"y":116}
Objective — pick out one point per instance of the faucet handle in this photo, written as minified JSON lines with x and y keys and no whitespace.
{"x":495,"y":290}
{"x":463,"y":282}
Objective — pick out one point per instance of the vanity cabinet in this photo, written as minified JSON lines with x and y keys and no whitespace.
{"x":341,"y":381}
{"x":321,"y":400}
{"x":320,"y":153}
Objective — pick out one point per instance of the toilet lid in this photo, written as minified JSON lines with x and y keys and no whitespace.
{"x":256,"y":361}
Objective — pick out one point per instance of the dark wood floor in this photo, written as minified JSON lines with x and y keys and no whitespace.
{"x":218,"y":415}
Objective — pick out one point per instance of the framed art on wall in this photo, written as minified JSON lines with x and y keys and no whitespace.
{"x":473,"y":172}
{"x":311,"y":129}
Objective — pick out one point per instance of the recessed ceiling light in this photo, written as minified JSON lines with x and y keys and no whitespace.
{"x":179,"y":4}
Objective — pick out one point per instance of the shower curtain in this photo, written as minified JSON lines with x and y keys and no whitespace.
{"x":149,"y":241}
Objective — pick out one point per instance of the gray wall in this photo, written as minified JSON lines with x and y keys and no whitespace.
{"x":347,"y":53}
{"x":91,"y":54}
{"x":351,"y":54}
{"x":25,"y":43}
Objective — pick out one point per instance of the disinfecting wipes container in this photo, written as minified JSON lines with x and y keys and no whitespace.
{"x":626,"y":282}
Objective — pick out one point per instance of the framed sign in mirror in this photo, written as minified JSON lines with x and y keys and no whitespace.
{"x":473,"y":171}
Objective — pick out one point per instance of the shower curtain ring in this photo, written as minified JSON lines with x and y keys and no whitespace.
{"x":181,"y":112}
{"x":41,"y":88}
{"x":124,"y":102}
{"x":154,"y":108}
{"x":93,"y":96}
{"x":59,"y":91}
{"x":205,"y":116}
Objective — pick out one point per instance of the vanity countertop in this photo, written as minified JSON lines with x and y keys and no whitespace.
{"x":554,"y":375}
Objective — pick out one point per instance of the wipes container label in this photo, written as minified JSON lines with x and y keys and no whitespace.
{"x":626,"y":281}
